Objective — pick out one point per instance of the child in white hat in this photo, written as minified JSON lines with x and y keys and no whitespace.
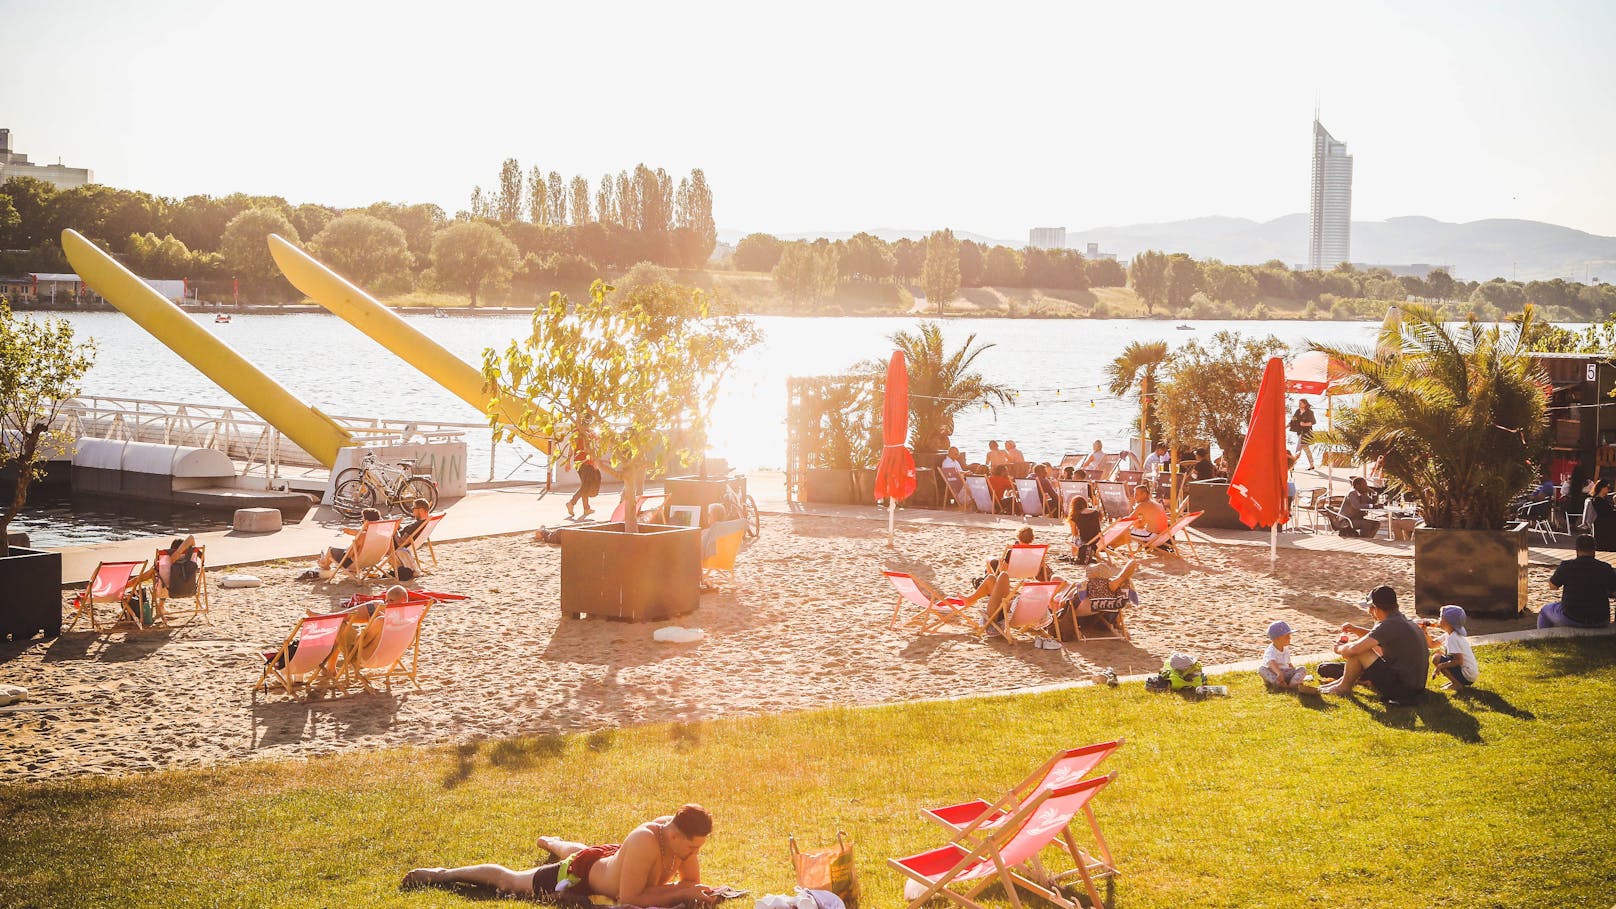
{"x":1455,"y":661}
{"x":1277,"y":669}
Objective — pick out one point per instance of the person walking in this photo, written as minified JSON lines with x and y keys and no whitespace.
{"x":588,"y":481}
{"x":1302,"y":423}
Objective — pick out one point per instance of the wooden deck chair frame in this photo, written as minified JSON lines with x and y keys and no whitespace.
{"x":954,"y":482}
{"x":1063,"y":768}
{"x":1109,"y":617}
{"x":980,"y":858}
{"x":1114,"y":499}
{"x":1107,"y":465}
{"x":1032,"y":611}
{"x":1072,"y":460}
{"x":1027,"y":488}
{"x":1179,"y":528}
{"x":85,"y":602}
{"x":306,"y":668}
{"x":424,"y":538}
{"x":394,"y":649}
{"x":384,"y":537}
{"x":931,"y":612}
{"x":199,"y":600}
{"x":1106,"y":541}
{"x":725,"y":549}
{"x":981,"y":495}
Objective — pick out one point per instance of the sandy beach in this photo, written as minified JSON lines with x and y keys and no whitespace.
{"x":803,"y":624}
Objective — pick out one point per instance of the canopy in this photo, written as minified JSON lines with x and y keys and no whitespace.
{"x":1315,"y":373}
{"x":895,"y":477}
{"x":1257,"y":486}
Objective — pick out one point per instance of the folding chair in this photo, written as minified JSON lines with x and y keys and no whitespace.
{"x":400,"y":637}
{"x":931,"y":612}
{"x":1063,"y":769}
{"x":1154,"y":544}
{"x":1128,"y":477}
{"x":1025,"y":561}
{"x":1308,"y":500}
{"x":725,"y":549}
{"x":1029,"y":497}
{"x":1033,"y":612}
{"x":424,"y":538}
{"x":1114,"y":500}
{"x":307,"y":664}
{"x":1071,"y":460}
{"x":199,"y":598}
{"x":1107,"y":613}
{"x":1535,"y":518}
{"x":1069,"y":488}
{"x":1006,"y":851}
{"x":955,"y":481}
{"x":107,"y":586}
{"x":1108,"y":464}
{"x":981,"y":496}
{"x":1111,"y":538}
{"x":372,"y":549}
{"x":642,"y":504}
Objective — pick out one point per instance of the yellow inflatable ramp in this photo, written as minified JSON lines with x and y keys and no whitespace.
{"x":385,"y":327}
{"x":308,"y":428}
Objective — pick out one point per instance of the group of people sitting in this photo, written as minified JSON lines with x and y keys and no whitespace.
{"x":402,"y":565}
{"x":1085,"y":523}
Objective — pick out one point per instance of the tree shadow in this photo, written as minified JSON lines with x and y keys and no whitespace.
{"x":517,"y":753}
{"x":96,"y":646}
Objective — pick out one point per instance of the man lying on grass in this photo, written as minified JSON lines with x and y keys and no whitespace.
{"x":637,"y":873}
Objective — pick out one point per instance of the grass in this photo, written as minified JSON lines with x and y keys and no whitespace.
{"x":1497,"y":799}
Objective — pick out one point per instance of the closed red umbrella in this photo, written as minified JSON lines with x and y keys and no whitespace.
{"x":1257,"y":486}
{"x":895,"y":476}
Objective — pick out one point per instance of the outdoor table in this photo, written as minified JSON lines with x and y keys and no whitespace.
{"x":1400,"y":522}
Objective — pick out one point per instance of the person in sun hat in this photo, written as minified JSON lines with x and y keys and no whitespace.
{"x":1277,"y":669}
{"x":1456,"y":661}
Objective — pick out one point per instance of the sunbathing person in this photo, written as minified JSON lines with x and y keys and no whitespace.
{"x":337,"y":557}
{"x":1150,"y":518}
{"x":1103,"y":591}
{"x":161,"y":573}
{"x":640,"y":872}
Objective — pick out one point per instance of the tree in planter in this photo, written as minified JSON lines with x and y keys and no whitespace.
{"x":636,"y":376}
{"x":1458,"y":412}
{"x":941,"y":383}
{"x":1209,"y":390}
{"x":1136,"y":367}
{"x":40,"y":369}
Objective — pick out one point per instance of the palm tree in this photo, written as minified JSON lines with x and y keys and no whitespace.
{"x":1458,"y":411}
{"x":1139,"y":361}
{"x":941,"y":383}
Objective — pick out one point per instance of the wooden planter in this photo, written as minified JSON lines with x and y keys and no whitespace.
{"x":32,"y":600}
{"x":827,"y":486}
{"x":695,"y":491}
{"x":863,"y":486}
{"x":647,"y":576}
{"x":1212,"y":498}
{"x":1482,"y":570}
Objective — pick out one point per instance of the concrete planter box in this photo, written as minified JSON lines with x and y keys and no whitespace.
{"x":1482,"y":570}
{"x":695,"y":491}
{"x":827,"y":486}
{"x":1212,"y":497}
{"x":32,"y":602}
{"x":646,"y":576}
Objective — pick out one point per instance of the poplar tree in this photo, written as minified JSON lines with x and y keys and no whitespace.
{"x":557,"y":192}
{"x":580,"y":200}
{"x":606,"y":201}
{"x":940,"y":275}
{"x":538,"y":197}
{"x":508,"y":201}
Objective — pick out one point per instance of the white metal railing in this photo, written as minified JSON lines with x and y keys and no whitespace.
{"x":238,"y":432}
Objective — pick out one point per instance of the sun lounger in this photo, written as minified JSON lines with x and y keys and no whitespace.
{"x":1063,"y":769}
{"x":424,"y":538}
{"x":1029,"y":497}
{"x":1114,"y":500}
{"x":1108,"y":463}
{"x":928,"y":612}
{"x":400,"y":637}
{"x":372,"y":552}
{"x":163,"y":596}
{"x":1175,"y":530}
{"x":955,"y":481}
{"x":981,"y":496}
{"x":1006,"y":851}
{"x":1112,"y":537}
{"x":1033,"y":611}
{"x":107,"y":585}
{"x":1026,"y":561}
{"x":1069,"y":488}
{"x":308,"y":663}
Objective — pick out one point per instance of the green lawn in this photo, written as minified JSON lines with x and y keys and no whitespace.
{"x":1502,"y":798}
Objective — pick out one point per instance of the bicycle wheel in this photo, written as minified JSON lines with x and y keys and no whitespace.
{"x":353,"y":497}
{"x":349,"y":473}
{"x":417,"y":488}
{"x":754,"y":522}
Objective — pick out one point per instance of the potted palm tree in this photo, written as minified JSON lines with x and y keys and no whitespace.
{"x":1459,"y":413}
{"x":638,"y":377}
{"x":40,"y":369}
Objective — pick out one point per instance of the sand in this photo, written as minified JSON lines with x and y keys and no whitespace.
{"x":803,"y":624}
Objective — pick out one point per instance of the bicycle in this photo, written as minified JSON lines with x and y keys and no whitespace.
{"x":738,"y":502}
{"x":376,"y":484}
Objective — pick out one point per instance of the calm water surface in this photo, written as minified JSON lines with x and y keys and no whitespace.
{"x":1058,"y":364}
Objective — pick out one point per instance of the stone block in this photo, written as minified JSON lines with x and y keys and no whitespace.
{"x":257,"y":520}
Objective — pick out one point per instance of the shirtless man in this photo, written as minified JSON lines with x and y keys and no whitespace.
{"x":640,"y":872}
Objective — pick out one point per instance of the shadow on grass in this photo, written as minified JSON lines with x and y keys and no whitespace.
{"x":1433,"y":713}
{"x":518,"y":753}
{"x":1576,"y":655}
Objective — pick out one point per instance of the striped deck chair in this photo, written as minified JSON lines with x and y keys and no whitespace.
{"x":107,"y":585}
{"x":424,"y":538}
{"x":1033,"y":612}
{"x":1029,"y":497}
{"x":928,"y":612}
{"x":384,"y":659}
{"x":372,"y":552}
{"x":1007,"y":852}
{"x":305,"y":657}
{"x":1178,"y":529}
{"x":981,"y":496}
{"x":1024,"y":561}
{"x":1063,"y":769}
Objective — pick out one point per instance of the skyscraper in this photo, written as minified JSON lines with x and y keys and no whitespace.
{"x":1329,"y":211}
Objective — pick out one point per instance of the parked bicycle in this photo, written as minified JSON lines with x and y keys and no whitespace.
{"x":388,"y":488}
{"x":738,"y":502}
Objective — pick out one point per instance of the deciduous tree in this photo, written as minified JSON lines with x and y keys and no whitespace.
{"x":1148,"y":275}
{"x":470,"y":255}
{"x":245,"y":248}
{"x":940,"y":275}
{"x":758,"y":252}
{"x":508,"y":198}
{"x":41,"y":367}
{"x":580,"y":200}
{"x":367,"y":251}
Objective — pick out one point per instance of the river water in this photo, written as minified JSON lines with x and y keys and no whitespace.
{"x":1057,"y":364}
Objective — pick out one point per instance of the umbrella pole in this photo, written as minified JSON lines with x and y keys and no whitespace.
{"x":892,"y":521}
{"x":1273,"y":545}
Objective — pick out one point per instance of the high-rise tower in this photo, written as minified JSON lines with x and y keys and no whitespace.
{"x":1329,"y":211}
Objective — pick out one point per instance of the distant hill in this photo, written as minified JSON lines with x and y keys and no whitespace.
{"x":1477,"y":250}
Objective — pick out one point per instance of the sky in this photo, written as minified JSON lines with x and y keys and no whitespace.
{"x":988,"y":118}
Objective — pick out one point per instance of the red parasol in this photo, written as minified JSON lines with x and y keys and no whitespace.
{"x":1315,"y":373}
{"x":1257,"y":487}
{"x":895,"y":477}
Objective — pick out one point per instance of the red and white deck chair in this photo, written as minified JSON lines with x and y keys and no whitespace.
{"x":642,"y":505}
{"x":400,"y":640}
{"x":928,"y":613}
{"x":424,"y":538}
{"x":107,"y":586}
{"x":1029,"y":497}
{"x":372,"y":552}
{"x":1112,"y":538}
{"x":1063,"y":769}
{"x":1006,"y":851}
{"x":311,"y":661}
{"x":1176,"y":530}
{"x":1025,"y":561}
{"x":1033,"y":612}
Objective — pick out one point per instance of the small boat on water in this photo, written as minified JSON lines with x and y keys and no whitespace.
{"x":1185,"y":327}
{"x":438,"y":313}
{"x":221,"y":317}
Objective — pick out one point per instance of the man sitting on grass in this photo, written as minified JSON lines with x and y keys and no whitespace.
{"x":1589,"y":585}
{"x":1390,"y":656}
{"x":637,"y":873}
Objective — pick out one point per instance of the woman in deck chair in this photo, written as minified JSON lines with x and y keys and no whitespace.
{"x":162,"y":574}
{"x":1085,"y":523}
{"x":337,"y":558}
{"x":1103,"y":595}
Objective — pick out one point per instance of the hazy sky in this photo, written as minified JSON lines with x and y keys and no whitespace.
{"x":826,"y":116}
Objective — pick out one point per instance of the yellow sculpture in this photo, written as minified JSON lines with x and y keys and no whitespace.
{"x":307,"y":427}
{"x":384,"y":326}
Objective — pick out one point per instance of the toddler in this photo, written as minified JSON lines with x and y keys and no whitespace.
{"x":1276,"y":668}
{"x":1456,"y":661}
